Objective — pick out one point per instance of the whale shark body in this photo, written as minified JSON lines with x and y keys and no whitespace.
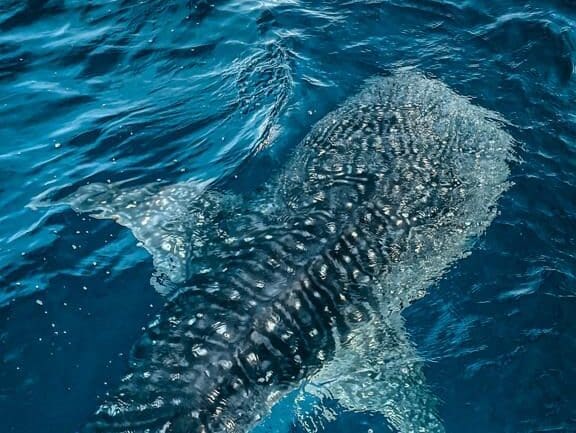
{"x":305,"y":281}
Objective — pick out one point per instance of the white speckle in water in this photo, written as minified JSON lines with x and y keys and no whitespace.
{"x":198,"y":350}
{"x":252,"y":358}
{"x":297,"y":304}
{"x":225,"y":364}
{"x":270,"y":325}
{"x":323,"y":271}
{"x":372,"y":256}
{"x":220,"y":328}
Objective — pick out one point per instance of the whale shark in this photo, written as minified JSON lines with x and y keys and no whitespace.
{"x":301,"y":285}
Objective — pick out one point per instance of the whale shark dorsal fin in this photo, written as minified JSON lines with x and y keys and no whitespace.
{"x":378,"y":371}
{"x":172,"y":222}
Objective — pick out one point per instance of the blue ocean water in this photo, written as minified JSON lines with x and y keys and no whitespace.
{"x":108,"y":91}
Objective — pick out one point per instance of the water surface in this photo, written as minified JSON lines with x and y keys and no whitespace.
{"x":164,"y":91}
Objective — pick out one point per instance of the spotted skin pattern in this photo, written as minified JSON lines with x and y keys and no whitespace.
{"x":398,"y":171}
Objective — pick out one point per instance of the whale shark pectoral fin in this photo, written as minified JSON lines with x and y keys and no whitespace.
{"x":163,"y":218}
{"x":158,"y":217}
{"x":379,"y":371}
